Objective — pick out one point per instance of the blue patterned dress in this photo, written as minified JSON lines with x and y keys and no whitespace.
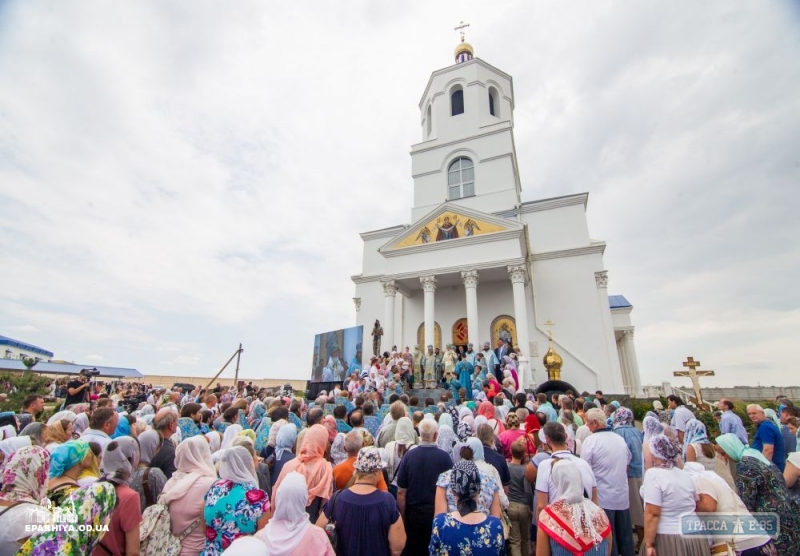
{"x":232,"y":510}
{"x":450,"y":537}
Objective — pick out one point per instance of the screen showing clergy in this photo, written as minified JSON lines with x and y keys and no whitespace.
{"x":337,"y":354}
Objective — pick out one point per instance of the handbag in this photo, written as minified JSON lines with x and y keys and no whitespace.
{"x":330,"y":528}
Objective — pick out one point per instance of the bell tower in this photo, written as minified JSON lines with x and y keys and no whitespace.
{"x":467,"y":153}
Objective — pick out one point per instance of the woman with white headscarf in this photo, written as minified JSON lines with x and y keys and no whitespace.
{"x":668,"y":494}
{"x":187,"y":488}
{"x":572,"y":524}
{"x":404,"y":439}
{"x":230,"y":433}
{"x":234,"y":505}
{"x":247,"y":546}
{"x":289,"y":532}
{"x":120,"y":458}
{"x":148,"y":481}
{"x":214,"y":441}
{"x":447,"y":435}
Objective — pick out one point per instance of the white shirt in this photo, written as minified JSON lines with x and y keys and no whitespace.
{"x":91,"y":435}
{"x":608,"y":455}
{"x":673,"y":491}
{"x":681,"y":417}
{"x":728,"y":502}
{"x":13,"y":522}
{"x":545,"y":484}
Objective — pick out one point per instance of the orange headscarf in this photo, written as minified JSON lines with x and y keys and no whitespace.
{"x":312,"y":465}
{"x":486,"y":409}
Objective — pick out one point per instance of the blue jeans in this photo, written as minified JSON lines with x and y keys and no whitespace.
{"x":621,"y":532}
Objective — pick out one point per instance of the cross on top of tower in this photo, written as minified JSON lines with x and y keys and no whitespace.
{"x":550,"y":324}
{"x":460,"y":28}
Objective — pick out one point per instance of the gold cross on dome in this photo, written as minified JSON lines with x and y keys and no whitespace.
{"x":550,"y":324}
{"x":460,"y":28}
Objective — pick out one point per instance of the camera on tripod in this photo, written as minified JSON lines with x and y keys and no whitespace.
{"x":90,"y":373}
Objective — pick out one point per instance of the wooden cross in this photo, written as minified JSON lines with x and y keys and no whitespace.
{"x":694,"y":375}
{"x":461,"y":28}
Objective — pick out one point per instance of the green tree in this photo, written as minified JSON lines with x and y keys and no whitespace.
{"x":18,"y":387}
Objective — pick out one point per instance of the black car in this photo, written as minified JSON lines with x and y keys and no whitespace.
{"x":184,"y":386}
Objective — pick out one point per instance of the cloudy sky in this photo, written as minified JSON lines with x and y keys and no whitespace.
{"x":177,"y":177}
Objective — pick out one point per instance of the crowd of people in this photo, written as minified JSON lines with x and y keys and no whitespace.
{"x":363,"y":471}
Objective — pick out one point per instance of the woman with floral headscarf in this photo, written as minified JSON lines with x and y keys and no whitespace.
{"x":66,"y":464}
{"x":572,"y":524}
{"x":511,"y":434}
{"x":668,"y":494}
{"x":466,"y":529}
{"x":312,"y":465}
{"x":234,"y":505}
{"x":697,"y":447}
{"x":652,"y":427}
{"x":763,"y":489}
{"x":24,"y":486}
{"x":93,"y":506}
{"x":120,"y":458}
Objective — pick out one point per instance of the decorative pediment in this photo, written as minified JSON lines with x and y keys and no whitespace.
{"x":448,"y":223}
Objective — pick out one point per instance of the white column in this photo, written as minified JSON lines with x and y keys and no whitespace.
{"x":627,"y":383}
{"x":614,"y":367}
{"x":429,"y":287}
{"x":632,"y":362}
{"x":470,"y":279}
{"x":389,"y":290}
{"x":518,"y":274}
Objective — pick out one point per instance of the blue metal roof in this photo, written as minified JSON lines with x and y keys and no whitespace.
{"x":6,"y":341}
{"x":618,"y":302}
{"x":68,"y":369}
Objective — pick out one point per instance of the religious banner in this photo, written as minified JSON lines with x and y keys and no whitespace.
{"x":449,"y":225}
{"x":504,"y":327}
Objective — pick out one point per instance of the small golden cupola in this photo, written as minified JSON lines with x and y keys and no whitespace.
{"x":464,"y":51}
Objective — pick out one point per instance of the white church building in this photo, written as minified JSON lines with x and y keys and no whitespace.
{"x":476,"y":263}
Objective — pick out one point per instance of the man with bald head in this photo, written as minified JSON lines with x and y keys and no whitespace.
{"x":165,"y":423}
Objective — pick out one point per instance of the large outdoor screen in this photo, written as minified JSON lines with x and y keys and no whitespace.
{"x":337,"y":354}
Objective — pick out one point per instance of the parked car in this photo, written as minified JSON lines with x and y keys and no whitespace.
{"x":184,"y":386}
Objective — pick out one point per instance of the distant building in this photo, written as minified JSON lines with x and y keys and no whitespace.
{"x":15,"y":349}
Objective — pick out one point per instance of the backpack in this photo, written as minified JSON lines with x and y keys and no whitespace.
{"x":155,"y":535}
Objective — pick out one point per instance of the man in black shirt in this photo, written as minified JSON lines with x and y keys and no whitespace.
{"x":416,"y":482}
{"x":492,"y":456}
{"x":76,"y":391}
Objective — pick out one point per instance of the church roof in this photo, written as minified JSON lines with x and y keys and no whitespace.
{"x":618,"y":302}
{"x":68,"y":369}
{"x":6,"y":341}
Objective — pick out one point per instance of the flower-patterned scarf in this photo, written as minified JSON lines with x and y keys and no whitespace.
{"x":25,"y":475}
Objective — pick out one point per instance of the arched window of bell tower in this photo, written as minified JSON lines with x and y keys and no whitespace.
{"x":457,"y":101}
{"x":428,"y":124}
{"x":494,"y":102}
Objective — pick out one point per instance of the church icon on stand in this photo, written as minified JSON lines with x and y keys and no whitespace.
{"x":476,"y":264}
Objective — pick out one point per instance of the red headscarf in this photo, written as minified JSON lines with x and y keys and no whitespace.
{"x":487,"y":410}
{"x":532,"y":424}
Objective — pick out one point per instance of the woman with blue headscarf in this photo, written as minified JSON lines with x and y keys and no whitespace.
{"x":66,"y":464}
{"x":697,"y":447}
{"x":284,"y":444}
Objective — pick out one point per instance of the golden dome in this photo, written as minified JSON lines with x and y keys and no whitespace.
{"x":463,"y":47}
{"x":552,"y":362}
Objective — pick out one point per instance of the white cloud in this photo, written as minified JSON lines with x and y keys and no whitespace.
{"x":179,"y":177}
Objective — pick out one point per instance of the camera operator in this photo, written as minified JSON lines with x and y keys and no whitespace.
{"x":77,"y":390}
